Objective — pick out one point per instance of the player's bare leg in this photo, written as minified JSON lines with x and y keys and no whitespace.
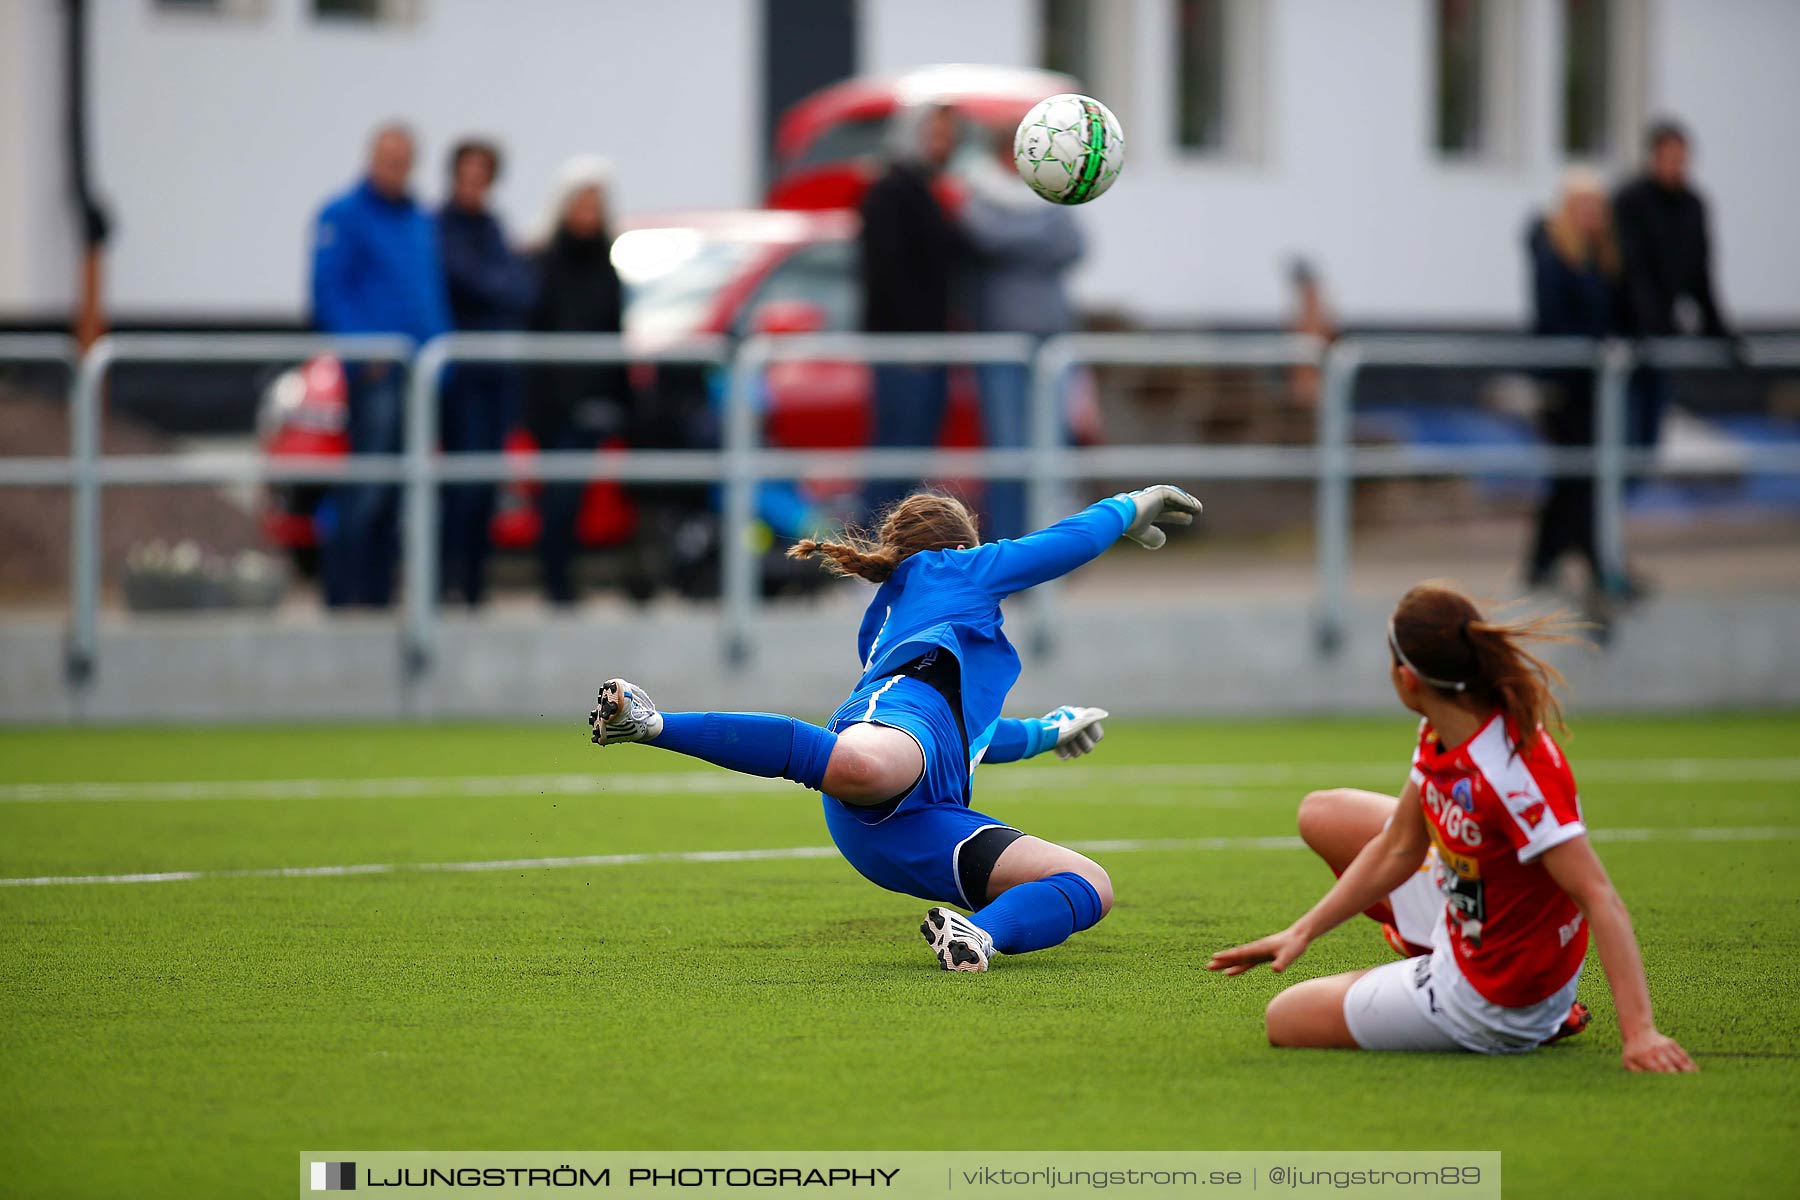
{"x":1311,"y":1014}
{"x":1030,"y":859}
{"x":872,"y":764}
{"x":1338,"y":822}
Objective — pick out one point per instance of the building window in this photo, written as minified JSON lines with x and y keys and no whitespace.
{"x":211,"y":8}
{"x":1461,"y":56}
{"x":1202,"y":118}
{"x":1066,"y":36}
{"x":1587,"y":77}
{"x":366,"y":12}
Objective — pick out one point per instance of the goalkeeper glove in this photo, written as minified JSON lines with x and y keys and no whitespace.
{"x":1078,"y":730}
{"x":1159,"y":505}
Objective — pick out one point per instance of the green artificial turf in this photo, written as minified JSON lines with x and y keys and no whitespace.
{"x":188,"y":1038}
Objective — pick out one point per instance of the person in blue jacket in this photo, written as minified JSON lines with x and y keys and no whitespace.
{"x":896,"y":762}
{"x":375,"y":269}
{"x":490,"y":288}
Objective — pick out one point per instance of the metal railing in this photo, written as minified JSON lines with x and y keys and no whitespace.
{"x":53,"y":349}
{"x":39,"y":349}
{"x":1055,"y":464}
{"x":1609,"y":461}
{"x":1341,"y":463}
{"x":1334,"y":462}
{"x":747,"y":465}
{"x":91,"y":471}
{"x":425,"y":469}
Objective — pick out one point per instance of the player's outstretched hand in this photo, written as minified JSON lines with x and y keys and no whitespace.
{"x":1159,"y":505}
{"x":1655,"y":1051}
{"x":1078,"y":730}
{"x":1278,"y":950}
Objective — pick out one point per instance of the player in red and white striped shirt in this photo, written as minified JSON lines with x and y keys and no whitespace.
{"x":1491,"y":817}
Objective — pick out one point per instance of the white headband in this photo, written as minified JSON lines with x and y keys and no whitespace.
{"x":1448,"y":685}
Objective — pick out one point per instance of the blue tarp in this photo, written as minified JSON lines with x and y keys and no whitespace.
{"x":1438,"y":426}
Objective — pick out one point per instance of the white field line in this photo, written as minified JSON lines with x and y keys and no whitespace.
{"x":714,"y":783}
{"x":1729,"y":833}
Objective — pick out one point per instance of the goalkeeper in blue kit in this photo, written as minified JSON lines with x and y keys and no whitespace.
{"x":897,"y":760}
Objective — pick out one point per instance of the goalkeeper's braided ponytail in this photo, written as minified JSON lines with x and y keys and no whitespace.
{"x":922,"y":521}
{"x":863,"y":560}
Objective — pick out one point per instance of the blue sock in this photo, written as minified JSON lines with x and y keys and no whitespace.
{"x":753,"y":743}
{"x":1036,"y":916}
{"x":1016,"y":738}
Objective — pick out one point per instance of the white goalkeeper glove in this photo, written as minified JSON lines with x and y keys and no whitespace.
{"x":1078,"y":730}
{"x":1160,"y":504}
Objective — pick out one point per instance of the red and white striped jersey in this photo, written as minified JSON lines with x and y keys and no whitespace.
{"x":1493,"y":810}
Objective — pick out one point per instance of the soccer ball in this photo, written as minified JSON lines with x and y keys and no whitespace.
{"x":1069,"y":148}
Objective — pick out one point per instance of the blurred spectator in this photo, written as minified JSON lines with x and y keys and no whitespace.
{"x":490,"y":287}
{"x":1667,"y":260}
{"x":1023,"y":248}
{"x":1575,"y":278}
{"x":1663,"y":239}
{"x":910,"y":252}
{"x":574,"y":407}
{"x":375,"y":269}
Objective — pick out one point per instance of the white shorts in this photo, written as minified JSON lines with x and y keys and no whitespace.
{"x":1426,"y":1003}
{"x":1418,"y":903}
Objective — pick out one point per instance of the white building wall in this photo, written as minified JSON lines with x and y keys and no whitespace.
{"x":1731,"y":69}
{"x":1342,"y":169}
{"x":893,"y":35}
{"x":217,"y":139}
{"x":1344,"y":172}
{"x":38,"y":258}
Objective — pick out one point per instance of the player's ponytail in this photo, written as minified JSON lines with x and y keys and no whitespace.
{"x":860,"y":557}
{"x":922,"y":521}
{"x":1441,"y":634}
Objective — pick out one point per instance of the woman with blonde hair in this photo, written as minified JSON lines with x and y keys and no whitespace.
{"x":1575,"y":279}
{"x":896,"y":762}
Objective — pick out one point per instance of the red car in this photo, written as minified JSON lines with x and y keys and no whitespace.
{"x":739,"y":273}
{"x":827,"y":147}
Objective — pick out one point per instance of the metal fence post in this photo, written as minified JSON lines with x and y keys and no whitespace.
{"x":82,"y":655}
{"x":88,"y":472}
{"x":1343,"y":361}
{"x":426,"y":470}
{"x":1050,"y":368}
{"x":420,"y":515}
{"x":739,"y":579}
{"x":1612,"y":385}
{"x":63,"y":351}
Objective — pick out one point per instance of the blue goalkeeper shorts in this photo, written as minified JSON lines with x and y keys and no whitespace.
{"x":930,"y":843}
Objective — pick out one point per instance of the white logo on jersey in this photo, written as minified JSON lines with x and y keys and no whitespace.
{"x":886,"y":617}
{"x":1457,"y":824}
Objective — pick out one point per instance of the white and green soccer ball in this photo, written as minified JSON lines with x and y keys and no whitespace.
{"x":1069,"y":148}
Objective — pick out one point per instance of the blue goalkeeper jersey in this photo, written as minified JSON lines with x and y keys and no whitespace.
{"x":951,"y":599}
